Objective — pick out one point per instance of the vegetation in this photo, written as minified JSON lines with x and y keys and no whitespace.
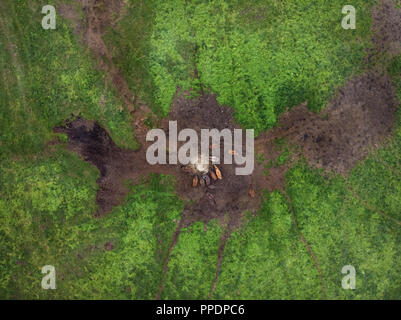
{"x":141,"y":231}
{"x":266,"y":260}
{"x":50,"y":222}
{"x":259,"y":59}
{"x":46,"y":79}
{"x":45,"y":218}
{"x":192,"y":266}
{"x":394,"y":70}
{"x":344,"y":228}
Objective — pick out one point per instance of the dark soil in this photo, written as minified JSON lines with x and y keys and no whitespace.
{"x":108,"y":246}
{"x":94,"y":145}
{"x":229,"y":195}
{"x":387,"y":27}
{"x":359,"y":118}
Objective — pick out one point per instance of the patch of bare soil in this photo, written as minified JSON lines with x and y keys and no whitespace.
{"x":227,"y":196}
{"x":359,"y":118}
{"x":387,"y":27}
{"x":108,"y":246}
{"x":94,"y":145}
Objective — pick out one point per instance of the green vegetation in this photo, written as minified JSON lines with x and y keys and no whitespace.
{"x":45,"y":218}
{"x":259,"y":58}
{"x":192,"y":266}
{"x":51,"y":222}
{"x":346,"y":221}
{"x":266,"y":260}
{"x":141,"y":231}
{"x":130,"y":47}
{"x":343,"y":229}
{"x":285,"y":152}
{"x":394,"y":70}
{"x":46,"y":78}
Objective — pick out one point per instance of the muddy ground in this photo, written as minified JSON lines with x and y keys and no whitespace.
{"x":358,"y":119}
{"x":387,"y":28}
{"x":229,"y":195}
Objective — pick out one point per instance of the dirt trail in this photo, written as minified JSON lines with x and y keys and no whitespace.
{"x":170,"y":251}
{"x":387,"y":28}
{"x":98,"y":17}
{"x":223,"y":241}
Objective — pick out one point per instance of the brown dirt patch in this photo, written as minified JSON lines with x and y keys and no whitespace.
{"x":108,"y":246}
{"x":387,"y":27}
{"x":94,"y":145}
{"x":359,"y":118}
{"x":231,"y":194}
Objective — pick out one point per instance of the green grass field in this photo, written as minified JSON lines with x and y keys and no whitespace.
{"x":259,"y":60}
